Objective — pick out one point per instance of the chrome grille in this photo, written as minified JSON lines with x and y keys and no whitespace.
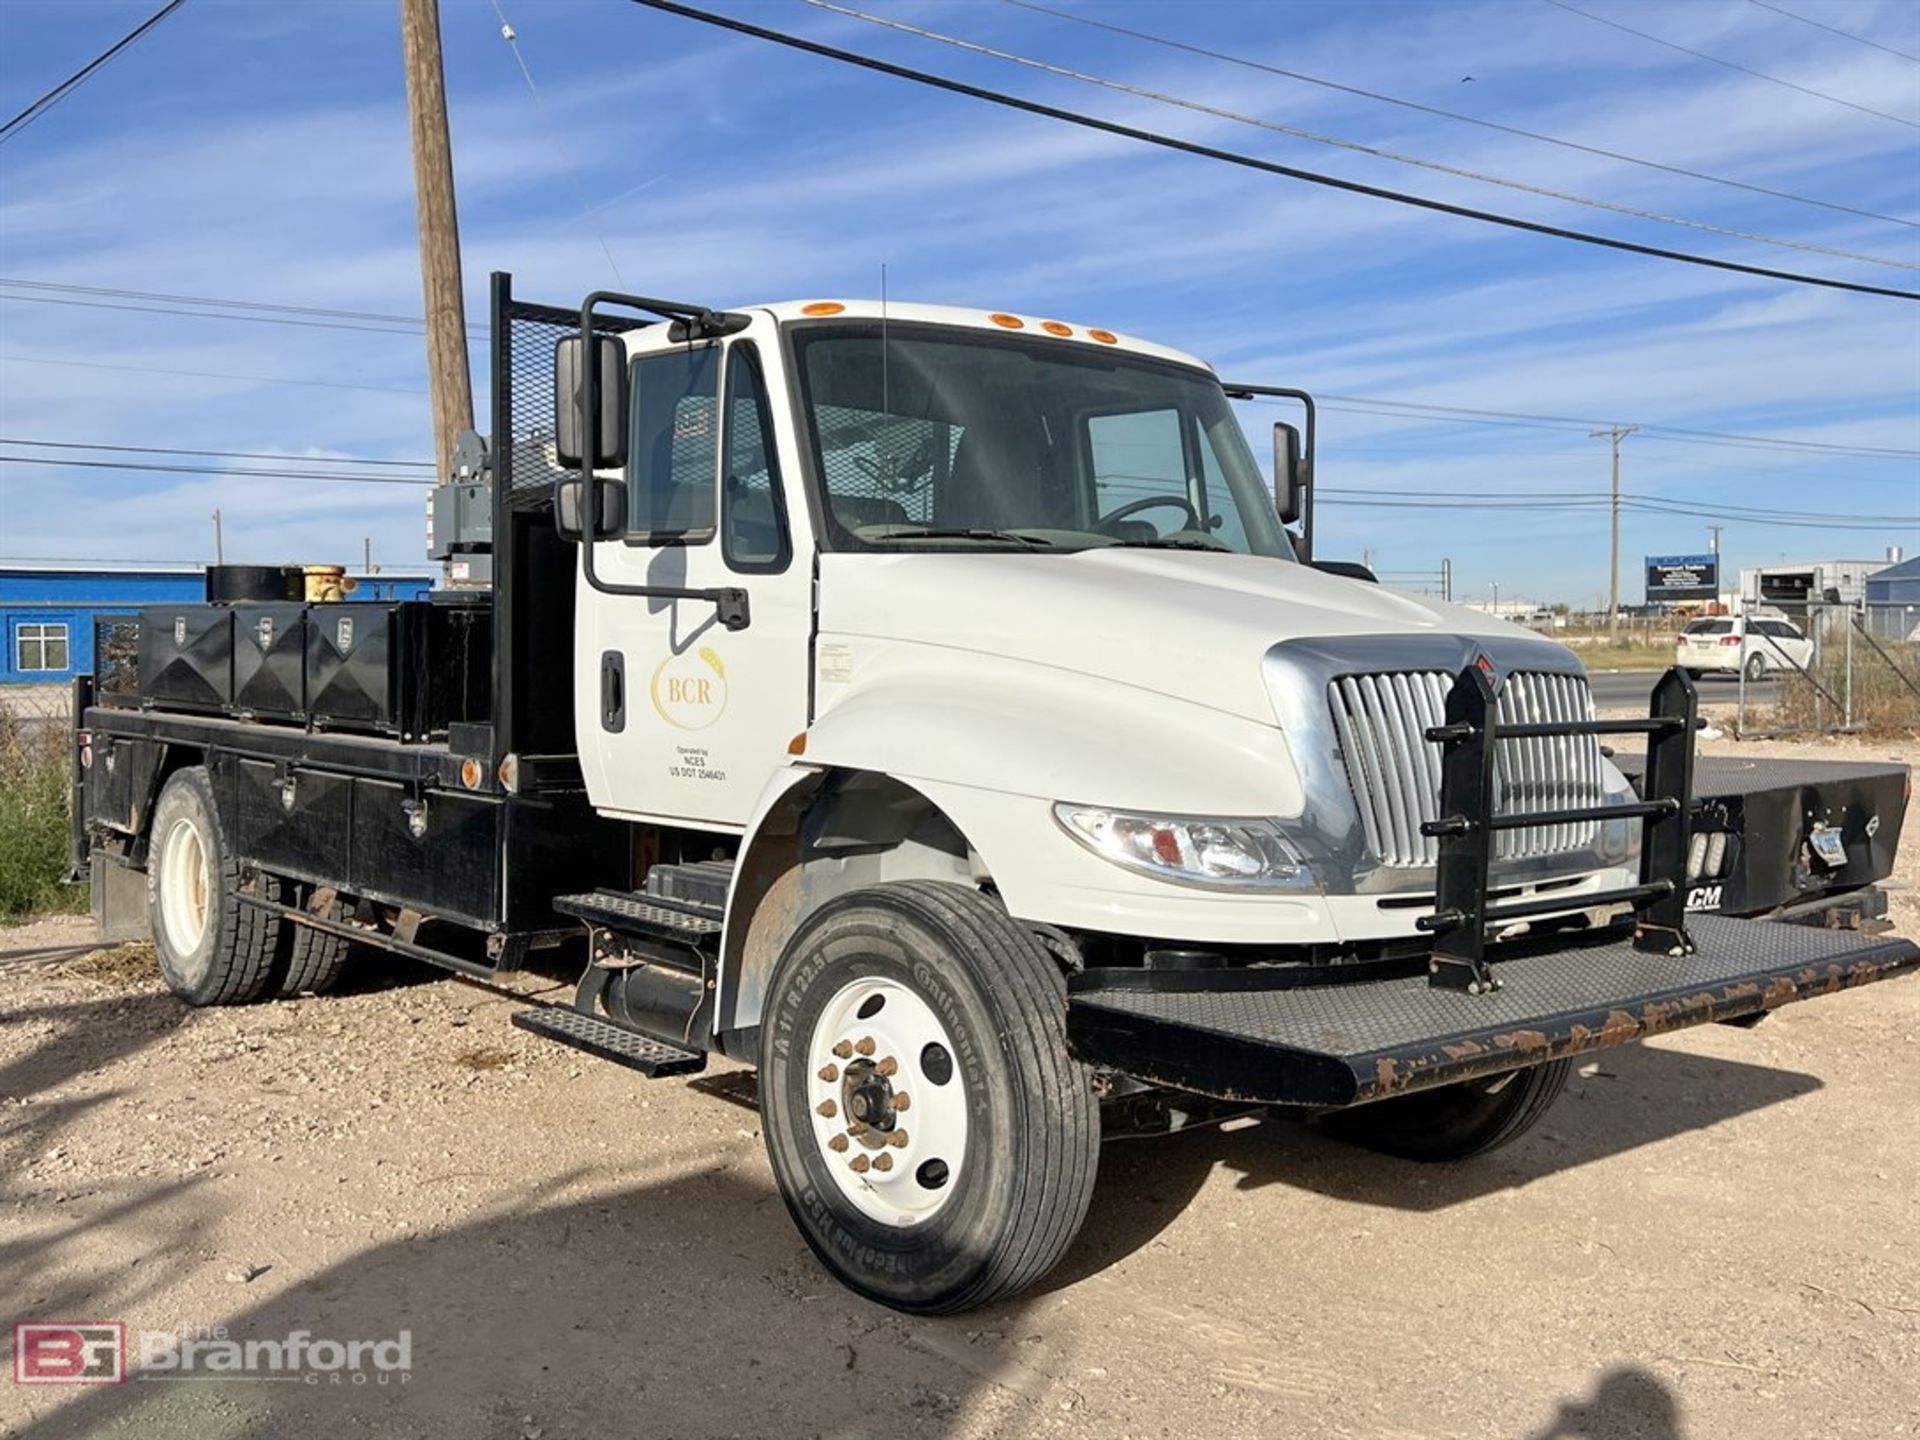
{"x":1394,"y":769}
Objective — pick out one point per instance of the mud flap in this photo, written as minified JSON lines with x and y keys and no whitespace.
{"x":1248,"y":1034}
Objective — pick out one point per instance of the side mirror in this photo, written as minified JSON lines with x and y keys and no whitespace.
{"x":577,"y":517}
{"x":608,"y":402}
{"x":1289,"y":479}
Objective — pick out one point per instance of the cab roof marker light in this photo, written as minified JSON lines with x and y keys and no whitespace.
{"x":1105,"y":337}
{"x":1054,"y":327}
{"x":822,"y":307}
{"x":1010,"y":322}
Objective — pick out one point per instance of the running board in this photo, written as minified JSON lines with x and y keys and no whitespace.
{"x":652,"y":1058}
{"x":1238,"y":1035}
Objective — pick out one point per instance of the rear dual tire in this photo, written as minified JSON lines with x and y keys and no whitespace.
{"x":214,"y":947}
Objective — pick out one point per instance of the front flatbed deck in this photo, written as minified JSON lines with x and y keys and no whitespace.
{"x":1348,"y":1043}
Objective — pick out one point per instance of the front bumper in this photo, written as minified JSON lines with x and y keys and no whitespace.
{"x":1247,"y":1034}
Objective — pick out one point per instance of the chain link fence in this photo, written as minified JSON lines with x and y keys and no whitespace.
{"x":1863,"y":675}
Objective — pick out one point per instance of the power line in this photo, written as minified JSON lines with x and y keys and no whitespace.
{"x":1601,"y":151}
{"x":113,"y":292}
{"x":214,"y":454}
{"x":216,"y":471}
{"x":1295,"y":132}
{"x":1249,"y":162}
{"x":1734,"y":65}
{"x":79,"y":77}
{"x":1352,"y":404}
{"x":200,"y":314}
{"x":1836,"y":30}
{"x":205,"y":374}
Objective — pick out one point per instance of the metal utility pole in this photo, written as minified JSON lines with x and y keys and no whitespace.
{"x":1446,"y":580}
{"x":219,"y":547}
{"x":1615,"y":435}
{"x":447,"y":374}
{"x":1716,"y":529}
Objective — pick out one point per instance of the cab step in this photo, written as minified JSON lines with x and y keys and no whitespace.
{"x":652,"y":1058}
{"x":650,"y":917}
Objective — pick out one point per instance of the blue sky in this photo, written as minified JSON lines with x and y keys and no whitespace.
{"x":258,"y":151}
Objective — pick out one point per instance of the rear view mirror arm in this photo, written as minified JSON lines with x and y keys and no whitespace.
{"x":1284,"y":392}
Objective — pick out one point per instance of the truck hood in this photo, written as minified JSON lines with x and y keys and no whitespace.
{"x":1190,"y":623}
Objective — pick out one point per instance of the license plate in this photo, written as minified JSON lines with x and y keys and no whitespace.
{"x":1828,"y":846}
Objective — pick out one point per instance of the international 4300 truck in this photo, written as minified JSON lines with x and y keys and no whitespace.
{"x":936,"y":710}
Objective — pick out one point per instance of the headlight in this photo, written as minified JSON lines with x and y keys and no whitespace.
{"x":1188,"y":850}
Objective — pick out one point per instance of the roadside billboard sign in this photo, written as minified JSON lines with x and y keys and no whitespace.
{"x":1682,"y":577}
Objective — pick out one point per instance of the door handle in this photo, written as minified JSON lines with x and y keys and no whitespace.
{"x":613,"y":691}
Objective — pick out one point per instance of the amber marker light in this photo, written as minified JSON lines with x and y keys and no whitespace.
{"x":1054,"y":327}
{"x":1010,"y":322}
{"x":1105,"y":337}
{"x":470,"y":773}
{"x":822,"y":307}
{"x":798,"y":744}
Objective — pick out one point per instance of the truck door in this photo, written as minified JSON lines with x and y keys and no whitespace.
{"x":680,"y":718}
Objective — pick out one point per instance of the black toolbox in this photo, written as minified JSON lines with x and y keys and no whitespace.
{"x":405,"y":669}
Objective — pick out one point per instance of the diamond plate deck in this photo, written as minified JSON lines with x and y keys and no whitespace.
{"x":1331,"y":1045}
{"x":640,"y":915}
{"x":609,"y":1041}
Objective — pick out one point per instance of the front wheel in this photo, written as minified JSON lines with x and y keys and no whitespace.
{"x":1452,"y":1122}
{"x":931,"y":1136}
{"x":1756,"y":669}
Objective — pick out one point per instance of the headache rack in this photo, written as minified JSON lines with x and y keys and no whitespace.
{"x":1467,"y":825}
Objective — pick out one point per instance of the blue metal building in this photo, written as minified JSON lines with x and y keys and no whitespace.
{"x":47,"y":610}
{"x":1898,"y":584}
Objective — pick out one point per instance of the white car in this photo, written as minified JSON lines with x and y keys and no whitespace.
{"x":1759,"y":643}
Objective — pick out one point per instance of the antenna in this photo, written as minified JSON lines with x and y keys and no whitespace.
{"x":886,"y":406}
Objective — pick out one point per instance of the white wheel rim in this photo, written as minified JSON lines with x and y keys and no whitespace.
{"x":186,"y":880}
{"x":891,"y":1130}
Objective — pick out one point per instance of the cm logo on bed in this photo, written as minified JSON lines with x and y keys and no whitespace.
{"x":690,"y":689}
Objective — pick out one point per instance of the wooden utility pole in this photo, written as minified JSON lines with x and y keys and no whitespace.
{"x":447,"y":374}
{"x":1616,"y":435}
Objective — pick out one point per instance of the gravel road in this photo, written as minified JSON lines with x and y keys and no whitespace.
{"x":1715,"y":1234}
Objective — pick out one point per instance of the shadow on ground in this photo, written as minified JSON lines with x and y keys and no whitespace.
{"x":684,"y":1304}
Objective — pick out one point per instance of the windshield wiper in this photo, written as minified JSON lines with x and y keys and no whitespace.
{"x":964,"y":533}
{"x":1168,"y":543}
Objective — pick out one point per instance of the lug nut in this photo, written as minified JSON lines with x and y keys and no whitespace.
{"x":883,"y":1162}
{"x":830,"y":1073}
{"x":886,"y":1067}
{"x":843,"y":1049}
{"x":902,"y":1101}
{"x":865,"y":1045}
{"x":897,"y":1139}
{"x":826,"y":1108}
{"x":856,"y":1127}
{"x":837,"y":1144}
{"x":859,"y":1164}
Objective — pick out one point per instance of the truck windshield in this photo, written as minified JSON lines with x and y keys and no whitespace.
{"x":950,"y":437}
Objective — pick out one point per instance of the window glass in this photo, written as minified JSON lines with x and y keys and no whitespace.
{"x":943,"y":434}
{"x":40,"y":647}
{"x":752,"y":513}
{"x":1709,"y":627}
{"x":672,"y":463}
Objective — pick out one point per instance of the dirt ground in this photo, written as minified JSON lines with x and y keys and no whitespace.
{"x":1715,"y":1234}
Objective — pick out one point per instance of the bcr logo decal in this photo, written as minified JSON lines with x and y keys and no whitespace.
{"x":52,"y":1352}
{"x":690,"y":690}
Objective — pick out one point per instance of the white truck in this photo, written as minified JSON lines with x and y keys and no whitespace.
{"x":932,"y":708}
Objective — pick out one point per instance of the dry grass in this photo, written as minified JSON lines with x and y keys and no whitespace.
{"x":35,"y":795}
{"x":121,"y":967}
{"x":1884,"y":703}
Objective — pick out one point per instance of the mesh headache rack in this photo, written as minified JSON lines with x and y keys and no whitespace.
{"x":1468,"y":827}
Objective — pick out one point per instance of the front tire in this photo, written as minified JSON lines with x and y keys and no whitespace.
{"x":1756,"y":669}
{"x":1453,"y":1122}
{"x":932,"y":1138}
{"x":214,"y":948}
